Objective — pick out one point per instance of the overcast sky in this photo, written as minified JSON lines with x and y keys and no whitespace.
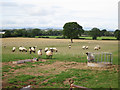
{"x":55,"y":13}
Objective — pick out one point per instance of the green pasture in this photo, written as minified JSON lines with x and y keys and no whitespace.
{"x":81,"y":37}
{"x":32,"y":73}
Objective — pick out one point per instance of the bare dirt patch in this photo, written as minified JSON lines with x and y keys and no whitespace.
{"x":54,"y":68}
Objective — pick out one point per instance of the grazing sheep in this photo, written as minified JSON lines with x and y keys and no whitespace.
{"x":55,"y":49}
{"x":13,"y":49}
{"x":86,"y":47}
{"x":30,"y":50}
{"x":39,"y":53}
{"x":21,"y":48}
{"x":33,"y":49}
{"x":90,"y":57}
{"x":69,"y":46}
{"x":83,"y":47}
{"x":49,"y":54}
{"x":96,"y":48}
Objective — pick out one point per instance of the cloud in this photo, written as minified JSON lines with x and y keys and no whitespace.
{"x":55,"y":13}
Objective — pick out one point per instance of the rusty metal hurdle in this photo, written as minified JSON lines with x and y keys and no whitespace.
{"x":76,"y":86}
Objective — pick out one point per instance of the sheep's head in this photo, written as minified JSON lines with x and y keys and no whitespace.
{"x":30,"y":47}
{"x":51,"y":50}
{"x":87,"y":53}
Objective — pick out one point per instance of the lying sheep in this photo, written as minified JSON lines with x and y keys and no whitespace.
{"x":21,"y":48}
{"x":13,"y":49}
{"x":90,"y":57}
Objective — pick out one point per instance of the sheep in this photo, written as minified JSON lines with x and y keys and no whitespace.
{"x":13,"y":49}
{"x":83,"y":47}
{"x":39,"y":53}
{"x":33,"y":49}
{"x":55,"y":49}
{"x":69,"y":46}
{"x":49,"y":53}
{"x":21,"y":48}
{"x":46,"y":49}
{"x":30,"y":50}
{"x":86,"y":47}
{"x":96,"y":48}
{"x":24,"y":49}
{"x":90,"y":57}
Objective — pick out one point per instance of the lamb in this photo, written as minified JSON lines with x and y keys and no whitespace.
{"x":13,"y":49}
{"x":49,"y":54}
{"x":90,"y":57}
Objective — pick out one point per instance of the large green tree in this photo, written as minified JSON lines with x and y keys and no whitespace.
{"x":72,"y":30}
{"x":95,"y":32}
{"x":117,"y":34}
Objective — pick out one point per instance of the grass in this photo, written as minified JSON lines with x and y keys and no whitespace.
{"x":47,"y":74}
{"x":81,"y":37}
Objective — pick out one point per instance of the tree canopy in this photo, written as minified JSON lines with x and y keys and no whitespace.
{"x":72,"y":30}
{"x":117,"y":34}
{"x":95,"y":32}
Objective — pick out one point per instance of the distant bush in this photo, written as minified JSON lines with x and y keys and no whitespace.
{"x":60,"y":38}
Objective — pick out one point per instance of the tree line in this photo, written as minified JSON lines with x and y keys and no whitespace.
{"x":31,"y":33}
{"x":70,"y":30}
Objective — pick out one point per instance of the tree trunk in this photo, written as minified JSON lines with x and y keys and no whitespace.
{"x":71,"y":40}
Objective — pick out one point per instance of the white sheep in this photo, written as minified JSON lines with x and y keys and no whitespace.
{"x":83,"y":47}
{"x":13,"y":49}
{"x":86,"y":47}
{"x":90,"y":56}
{"x":69,"y":46}
{"x":33,"y":49}
{"x":40,"y":52}
{"x":96,"y":48}
{"x":49,"y":54}
{"x":21,"y":48}
{"x":55,"y":49}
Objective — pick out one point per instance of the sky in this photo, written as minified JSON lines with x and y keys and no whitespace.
{"x":102,"y":14}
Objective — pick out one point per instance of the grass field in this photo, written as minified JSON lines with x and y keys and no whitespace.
{"x":82,"y":37}
{"x":66,"y":64}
